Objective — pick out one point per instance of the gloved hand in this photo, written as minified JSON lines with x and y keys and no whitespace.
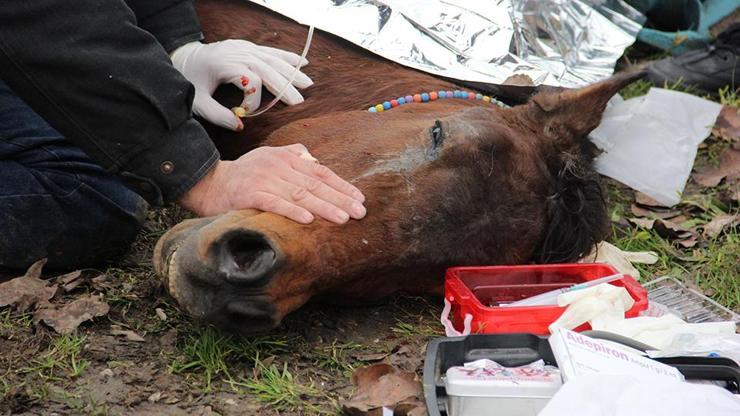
{"x":244,"y":64}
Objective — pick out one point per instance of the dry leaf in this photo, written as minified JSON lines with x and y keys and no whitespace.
{"x":645,"y":200}
{"x":727,"y":126}
{"x":669,"y":229}
{"x":68,"y":278}
{"x":70,"y":281}
{"x":679,"y":219}
{"x":28,"y":290}
{"x":370,"y":356}
{"x":411,"y":408}
{"x":130,"y":335}
{"x":689,"y":242}
{"x":715,"y":227}
{"x":729,"y":167}
{"x":102,"y":283}
{"x":647,"y":224}
{"x":67,"y":318}
{"x":160,"y":314}
{"x":381,"y":385}
{"x":653,"y":213}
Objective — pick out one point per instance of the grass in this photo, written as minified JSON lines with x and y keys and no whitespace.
{"x":412,"y":330}
{"x":275,"y":386}
{"x":729,"y":97}
{"x":10,"y":320}
{"x":717,"y":270}
{"x":61,"y":360}
{"x":713,"y":265}
{"x":335,"y":357}
{"x":207,"y":352}
{"x":641,"y":87}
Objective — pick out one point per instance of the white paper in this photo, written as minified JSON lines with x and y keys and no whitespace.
{"x":630,"y":395}
{"x":578,"y":355}
{"x":650,"y":142}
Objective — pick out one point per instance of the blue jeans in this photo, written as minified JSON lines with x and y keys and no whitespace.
{"x":55,"y":202}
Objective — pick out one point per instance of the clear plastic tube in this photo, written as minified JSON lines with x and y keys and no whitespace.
{"x":277,"y":98}
{"x":551,"y":297}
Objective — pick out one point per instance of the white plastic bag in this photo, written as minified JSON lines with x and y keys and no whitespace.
{"x":650,"y":142}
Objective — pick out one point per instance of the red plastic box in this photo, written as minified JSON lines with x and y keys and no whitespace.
{"x":477,"y":291}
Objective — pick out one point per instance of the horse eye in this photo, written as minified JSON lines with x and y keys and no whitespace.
{"x":437,"y":134}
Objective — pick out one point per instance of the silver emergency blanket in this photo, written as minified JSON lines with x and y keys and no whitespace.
{"x":565,"y":43}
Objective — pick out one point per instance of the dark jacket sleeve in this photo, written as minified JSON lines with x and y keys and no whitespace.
{"x":109,"y":87}
{"x":173,"y":22}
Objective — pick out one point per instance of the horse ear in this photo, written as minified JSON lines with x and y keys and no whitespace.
{"x":576,"y":212}
{"x":547,"y":101}
{"x":567,"y":116}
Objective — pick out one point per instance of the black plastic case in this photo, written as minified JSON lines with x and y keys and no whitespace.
{"x":513,"y":350}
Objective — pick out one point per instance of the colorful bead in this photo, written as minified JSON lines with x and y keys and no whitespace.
{"x":433,"y":96}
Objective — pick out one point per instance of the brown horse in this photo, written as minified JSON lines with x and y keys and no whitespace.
{"x":449,"y":182}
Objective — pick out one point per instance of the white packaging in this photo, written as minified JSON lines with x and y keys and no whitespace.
{"x":578,"y":355}
{"x":484,"y":387}
{"x":650,"y":142}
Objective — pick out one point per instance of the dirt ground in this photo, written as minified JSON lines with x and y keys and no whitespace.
{"x":182,"y":368}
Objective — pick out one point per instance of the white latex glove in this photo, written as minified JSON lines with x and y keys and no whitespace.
{"x":621,"y":260}
{"x":244,"y":64}
{"x":600,"y":306}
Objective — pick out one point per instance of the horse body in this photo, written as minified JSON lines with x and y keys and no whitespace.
{"x":450,"y":182}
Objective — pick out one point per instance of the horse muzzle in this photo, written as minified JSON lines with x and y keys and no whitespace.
{"x":220,"y":275}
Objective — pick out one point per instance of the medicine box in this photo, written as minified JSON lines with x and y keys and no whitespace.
{"x":478,"y":291}
{"x":487,"y":388}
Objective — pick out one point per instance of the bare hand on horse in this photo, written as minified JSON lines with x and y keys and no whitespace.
{"x":284,"y":180}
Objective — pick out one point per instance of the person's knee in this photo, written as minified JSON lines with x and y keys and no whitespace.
{"x":81,"y":229}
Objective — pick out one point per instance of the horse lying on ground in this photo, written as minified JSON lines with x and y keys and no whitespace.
{"x":448,"y":182}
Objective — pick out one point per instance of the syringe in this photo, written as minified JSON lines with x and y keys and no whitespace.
{"x":551,"y":297}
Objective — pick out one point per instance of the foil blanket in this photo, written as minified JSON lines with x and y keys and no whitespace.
{"x":566,"y":43}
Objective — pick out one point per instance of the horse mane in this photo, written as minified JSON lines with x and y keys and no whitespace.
{"x":575,"y":209}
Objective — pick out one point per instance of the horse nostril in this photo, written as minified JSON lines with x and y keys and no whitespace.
{"x":245,"y":256}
